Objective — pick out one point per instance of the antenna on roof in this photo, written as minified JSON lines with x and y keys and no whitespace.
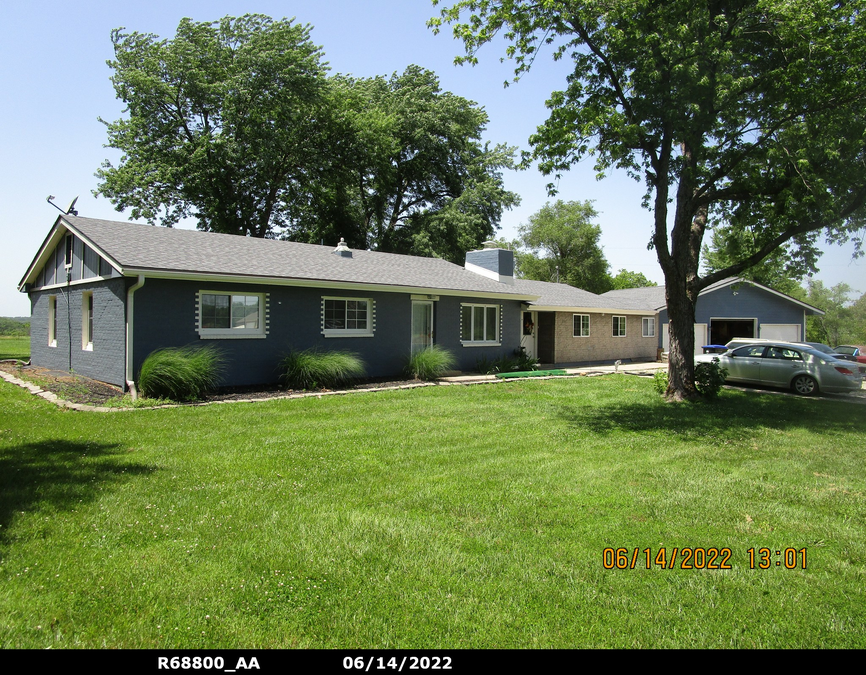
{"x":69,"y":209}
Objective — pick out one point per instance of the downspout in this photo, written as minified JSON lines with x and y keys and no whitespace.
{"x":69,"y":316}
{"x":130,"y":316}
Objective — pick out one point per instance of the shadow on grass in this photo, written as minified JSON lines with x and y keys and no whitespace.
{"x":733,"y":416}
{"x":60,"y":474}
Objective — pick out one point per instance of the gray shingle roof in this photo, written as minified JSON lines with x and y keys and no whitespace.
{"x":650,"y":298}
{"x":565,"y":296}
{"x":653,"y":297}
{"x":144,"y":248}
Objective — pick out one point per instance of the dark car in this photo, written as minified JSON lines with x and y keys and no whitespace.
{"x":858,"y":353}
{"x":836,"y":354}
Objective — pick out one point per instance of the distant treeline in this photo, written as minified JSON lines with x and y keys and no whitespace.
{"x":14,"y":326}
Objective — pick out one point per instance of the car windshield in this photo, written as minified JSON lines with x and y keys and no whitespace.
{"x":846,"y":350}
{"x":821,"y":347}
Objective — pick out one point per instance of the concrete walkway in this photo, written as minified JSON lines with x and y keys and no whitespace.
{"x":640,"y":368}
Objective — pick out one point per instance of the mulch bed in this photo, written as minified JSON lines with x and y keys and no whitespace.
{"x":79,"y":389}
{"x":74,"y":388}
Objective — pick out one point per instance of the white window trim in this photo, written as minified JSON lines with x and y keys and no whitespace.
{"x":481,"y":343}
{"x":232,"y":333}
{"x":367,"y":332}
{"x":86,"y":321}
{"x":52,"y":320}
{"x":643,"y":325}
{"x":588,"y":325}
{"x":624,"y":325}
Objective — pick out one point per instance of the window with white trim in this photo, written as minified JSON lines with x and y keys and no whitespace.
{"x":581,"y":325}
{"x":479,"y":324}
{"x":648,"y":326}
{"x":52,"y":320}
{"x":618,"y":326}
{"x":348,"y":317}
{"x":87,"y":321}
{"x":231,"y":315}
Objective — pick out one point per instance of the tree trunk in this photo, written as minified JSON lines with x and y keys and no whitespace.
{"x":681,"y":280}
{"x":681,"y":327}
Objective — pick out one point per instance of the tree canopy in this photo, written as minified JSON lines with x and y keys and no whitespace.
{"x":777,"y":270}
{"x":842,"y":321}
{"x":626,"y":279}
{"x":237,"y":124}
{"x":228,"y":122}
{"x":560,"y":244}
{"x":414,"y":176}
{"x":747,"y":114}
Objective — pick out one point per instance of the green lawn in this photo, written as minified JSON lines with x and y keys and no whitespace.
{"x":438,"y":517}
{"x":14,"y":348}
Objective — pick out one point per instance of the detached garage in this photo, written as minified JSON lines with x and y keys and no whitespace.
{"x":733,"y":308}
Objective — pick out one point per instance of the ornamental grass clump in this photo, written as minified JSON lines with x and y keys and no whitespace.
{"x":311,"y":369}
{"x":180,"y":373}
{"x":430,"y":363}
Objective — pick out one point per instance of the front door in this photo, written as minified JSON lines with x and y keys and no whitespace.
{"x":546,"y":332}
{"x":422,"y":325}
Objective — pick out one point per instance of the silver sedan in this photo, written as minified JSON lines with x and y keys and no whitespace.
{"x":804,"y":370}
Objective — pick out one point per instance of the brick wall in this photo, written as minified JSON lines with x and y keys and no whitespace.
{"x":106,"y":361}
{"x":601,"y":345}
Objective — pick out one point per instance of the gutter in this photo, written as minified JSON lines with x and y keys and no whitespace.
{"x":130,"y":316}
{"x":366,"y":287}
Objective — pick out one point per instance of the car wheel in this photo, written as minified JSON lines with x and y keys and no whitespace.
{"x":804,"y":385}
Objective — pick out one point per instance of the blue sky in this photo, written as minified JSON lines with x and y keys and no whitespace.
{"x":55,"y":86}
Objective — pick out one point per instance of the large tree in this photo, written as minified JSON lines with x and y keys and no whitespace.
{"x":413,"y":175}
{"x":627,"y":279}
{"x":228,"y":122}
{"x":838,"y":324}
{"x":747,"y":113}
{"x":858,"y":321}
{"x":560,"y":244}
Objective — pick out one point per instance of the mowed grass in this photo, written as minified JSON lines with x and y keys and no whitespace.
{"x":441,"y":517}
{"x":14,"y":347}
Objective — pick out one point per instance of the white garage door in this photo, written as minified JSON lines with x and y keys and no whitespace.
{"x":700,"y":337}
{"x":789,"y":332}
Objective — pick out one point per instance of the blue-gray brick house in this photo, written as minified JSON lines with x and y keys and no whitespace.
{"x":106,"y":294}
